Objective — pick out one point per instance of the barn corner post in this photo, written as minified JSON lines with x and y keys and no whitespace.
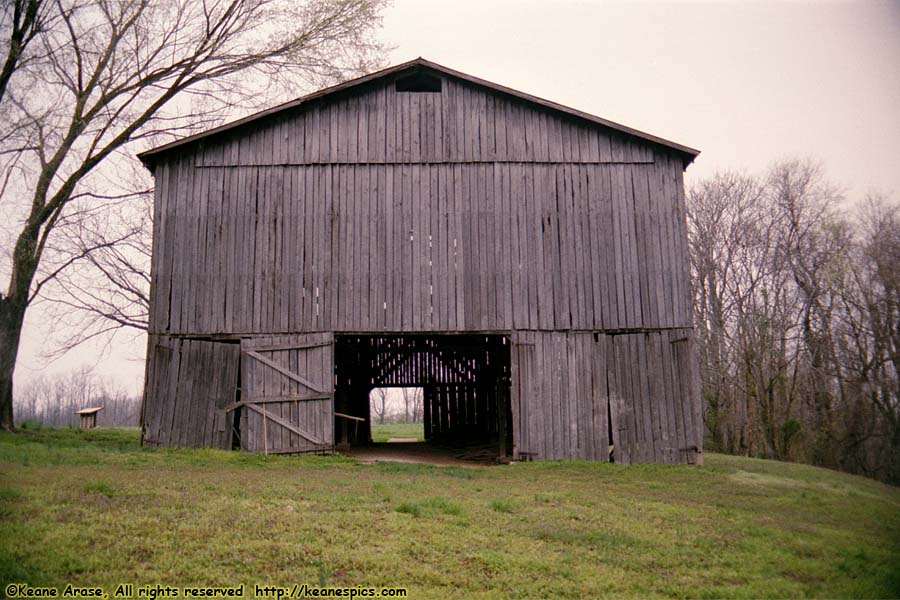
{"x":142,"y":420}
{"x":395,"y":230}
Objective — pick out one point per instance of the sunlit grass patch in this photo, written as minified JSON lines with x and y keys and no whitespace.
{"x":382,"y":433}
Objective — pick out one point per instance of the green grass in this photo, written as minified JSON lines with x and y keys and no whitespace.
{"x":382,"y":433}
{"x":503,"y":506}
{"x":93,"y":508}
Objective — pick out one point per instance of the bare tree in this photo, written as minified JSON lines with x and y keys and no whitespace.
{"x":379,"y":404}
{"x":417,"y":405}
{"x":109,"y":292}
{"x":726,"y":250}
{"x":797,"y":309}
{"x":867,"y":344}
{"x":83,"y":78}
{"x":743,"y":312}
{"x":20,"y":22}
{"x":407,"y":400}
{"x":810,"y":245}
{"x":412,"y":404}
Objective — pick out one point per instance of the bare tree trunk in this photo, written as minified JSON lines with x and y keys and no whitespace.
{"x":12,"y":315}
{"x":417,"y":405}
{"x":379,"y":404}
{"x":12,"y":318}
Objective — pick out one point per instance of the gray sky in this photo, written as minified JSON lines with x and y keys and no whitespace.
{"x":746,"y":83}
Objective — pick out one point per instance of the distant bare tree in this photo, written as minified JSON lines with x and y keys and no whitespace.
{"x":379,"y":404}
{"x":53,"y":400}
{"x":417,"y":401}
{"x":83,"y":78}
{"x":412,"y":404}
{"x":407,"y":398}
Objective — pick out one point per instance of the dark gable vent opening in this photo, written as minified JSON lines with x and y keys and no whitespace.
{"x":418,"y":82}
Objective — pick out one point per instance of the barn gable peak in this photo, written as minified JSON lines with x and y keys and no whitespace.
{"x":418,"y":75}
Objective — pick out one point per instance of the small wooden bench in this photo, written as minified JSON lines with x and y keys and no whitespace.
{"x":89,"y":416}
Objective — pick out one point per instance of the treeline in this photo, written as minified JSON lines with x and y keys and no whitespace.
{"x":53,"y":400}
{"x":396,"y":405}
{"x":797,"y":312}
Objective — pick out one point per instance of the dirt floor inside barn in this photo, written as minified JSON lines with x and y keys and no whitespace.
{"x":410,"y":450}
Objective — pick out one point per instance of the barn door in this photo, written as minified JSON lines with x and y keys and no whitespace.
{"x":287,"y":394}
{"x":522,"y":393}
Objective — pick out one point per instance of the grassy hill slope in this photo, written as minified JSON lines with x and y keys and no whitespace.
{"x":93,"y":508}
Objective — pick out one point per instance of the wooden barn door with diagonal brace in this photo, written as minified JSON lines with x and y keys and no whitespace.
{"x":287,"y":394}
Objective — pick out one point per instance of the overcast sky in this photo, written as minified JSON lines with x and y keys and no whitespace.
{"x":746,"y":83}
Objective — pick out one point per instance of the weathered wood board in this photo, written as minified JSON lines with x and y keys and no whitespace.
{"x":287,"y":394}
{"x":189,"y":385}
{"x":576,"y":394}
{"x":439,"y":242}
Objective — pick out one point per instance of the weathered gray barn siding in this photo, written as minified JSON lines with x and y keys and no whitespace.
{"x":291,"y":424}
{"x":189,"y":384}
{"x":461,"y":123}
{"x":466,"y":210}
{"x":436,"y":247}
{"x":645,"y":382}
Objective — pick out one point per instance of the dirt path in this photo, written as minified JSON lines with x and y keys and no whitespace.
{"x":422,"y":452}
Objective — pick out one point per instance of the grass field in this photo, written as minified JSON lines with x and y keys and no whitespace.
{"x":382,"y":433}
{"x":93,"y":508}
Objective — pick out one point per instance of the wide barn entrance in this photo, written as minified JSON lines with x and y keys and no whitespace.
{"x":465,"y":380}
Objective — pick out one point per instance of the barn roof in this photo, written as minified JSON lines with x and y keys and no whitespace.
{"x":150,"y":157}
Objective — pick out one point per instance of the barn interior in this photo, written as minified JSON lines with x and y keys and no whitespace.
{"x":466,"y":391}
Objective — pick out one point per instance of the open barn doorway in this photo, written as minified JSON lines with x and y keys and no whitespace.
{"x":397,"y":414}
{"x":465,"y":394}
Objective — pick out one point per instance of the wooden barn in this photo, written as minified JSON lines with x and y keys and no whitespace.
{"x":524,"y":263}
